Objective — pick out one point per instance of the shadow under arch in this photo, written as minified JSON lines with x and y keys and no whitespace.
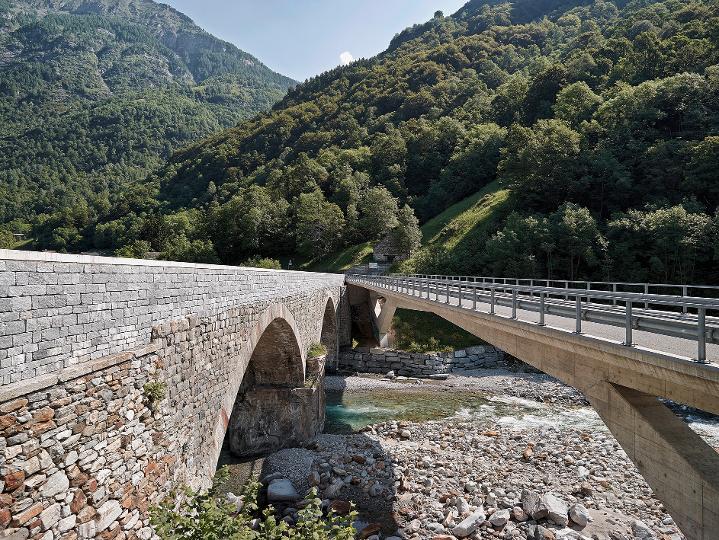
{"x":329,"y":336}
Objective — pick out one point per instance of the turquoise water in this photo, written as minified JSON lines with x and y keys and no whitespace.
{"x":351,"y":411}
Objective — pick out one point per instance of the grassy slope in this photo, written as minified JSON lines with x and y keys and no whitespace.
{"x":464,"y":218}
{"x":341,"y":261}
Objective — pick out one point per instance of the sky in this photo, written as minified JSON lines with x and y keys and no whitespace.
{"x":302,"y":38}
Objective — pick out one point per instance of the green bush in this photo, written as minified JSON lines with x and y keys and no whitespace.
{"x":205,"y":515}
{"x":154,"y":392}
{"x":316,"y":350}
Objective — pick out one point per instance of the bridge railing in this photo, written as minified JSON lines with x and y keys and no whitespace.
{"x":682,"y":315}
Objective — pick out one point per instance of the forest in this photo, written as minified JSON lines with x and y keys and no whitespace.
{"x":600,"y":119}
{"x":96,"y":95}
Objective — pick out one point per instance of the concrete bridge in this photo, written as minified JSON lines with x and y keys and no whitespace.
{"x":122,"y":379}
{"x":623,"y":350}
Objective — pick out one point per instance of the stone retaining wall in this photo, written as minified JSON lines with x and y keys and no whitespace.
{"x":367,"y":360}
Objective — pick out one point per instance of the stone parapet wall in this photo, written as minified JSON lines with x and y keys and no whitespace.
{"x":61,"y":310}
{"x":408,"y":364}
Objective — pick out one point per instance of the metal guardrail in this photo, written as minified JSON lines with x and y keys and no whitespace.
{"x":683,"y":315}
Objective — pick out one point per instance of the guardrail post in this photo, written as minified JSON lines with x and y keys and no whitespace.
{"x":702,"y":336}
{"x":541,"y":309}
{"x":474,"y":296}
{"x":628,"y":338}
{"x":566,"y":286}
{"x":578,"y":326}
{"x":491,"y":303}
{"x":685,"y":293}
{"x":459,"y":293}
{"x":614,"y":290}
{"x":514,"y":303}
{"x":646,"y":291}
{"x":447,"y":302}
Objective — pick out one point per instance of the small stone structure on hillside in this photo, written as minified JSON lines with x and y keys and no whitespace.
{"x":388,"y":250}
{"x":408,"y":364}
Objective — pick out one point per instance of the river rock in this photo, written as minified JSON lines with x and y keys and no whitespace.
{"x":533,"y":505}
{"x":470,"y":524}
{"x":579,"y":515}
{"x":556,"y":509}
{"x":499,"y":518}
{"x":282,"y":490}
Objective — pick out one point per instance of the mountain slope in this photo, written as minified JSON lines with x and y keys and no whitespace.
{"x":95,"y":93}
{"x":602,"y":118}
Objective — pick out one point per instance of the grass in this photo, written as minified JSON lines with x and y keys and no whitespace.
{"x":341,"y":261}
{"x":417,"y":331}
{"x":456,"y":222}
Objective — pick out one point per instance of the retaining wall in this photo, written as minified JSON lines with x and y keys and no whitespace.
{"x":419,"y":364}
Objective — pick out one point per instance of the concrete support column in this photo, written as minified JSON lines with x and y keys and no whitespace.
{"x":680,"y":467}
{"x":384,"y":320}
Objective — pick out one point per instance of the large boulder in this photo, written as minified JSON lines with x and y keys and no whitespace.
{"x":556,"y":509}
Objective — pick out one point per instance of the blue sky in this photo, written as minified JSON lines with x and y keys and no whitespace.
{"x":301,"y":38}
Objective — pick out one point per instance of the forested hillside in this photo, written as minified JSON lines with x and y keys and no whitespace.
{"x":94,"y":94}
{"x":597,"y":119}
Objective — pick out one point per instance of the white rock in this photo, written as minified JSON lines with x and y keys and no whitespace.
{"x":470,"y":524}
{"x":556,"y":509}
{"x":67,"y":523}
{"x":642,"y":531}
{"x":579,"y":515}
{"x":50,"y":516}
{"x":499,"y":518}
{"x":56,"y":484}
{"x":107,"y":513}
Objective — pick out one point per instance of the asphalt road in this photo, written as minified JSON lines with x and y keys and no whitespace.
{"x":680,"y":347}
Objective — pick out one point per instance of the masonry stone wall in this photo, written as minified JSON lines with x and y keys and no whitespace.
{"x":60,"y":310}
{"x":408,"y":364}
{"x":84,"y":449}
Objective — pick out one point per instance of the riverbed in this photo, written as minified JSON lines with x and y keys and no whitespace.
{"x":418,"y":456}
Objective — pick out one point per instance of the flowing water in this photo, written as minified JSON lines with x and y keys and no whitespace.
{"x":351,"y":411}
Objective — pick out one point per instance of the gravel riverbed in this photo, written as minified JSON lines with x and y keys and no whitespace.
{"x":553,"y":473}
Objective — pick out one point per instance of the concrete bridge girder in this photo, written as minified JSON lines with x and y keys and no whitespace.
{"x":623,"y":385}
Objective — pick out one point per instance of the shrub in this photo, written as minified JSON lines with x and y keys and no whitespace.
{"x":316,"y":350}
{"x":154,"y":392}
{"x":205,"y":515}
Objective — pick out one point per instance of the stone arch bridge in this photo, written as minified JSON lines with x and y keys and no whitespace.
{"x":122,"y":379}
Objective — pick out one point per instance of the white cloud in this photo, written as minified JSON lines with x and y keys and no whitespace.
{"x":346,"y":58}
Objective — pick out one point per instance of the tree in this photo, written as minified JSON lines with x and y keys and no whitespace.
{"x":378,"y":213}
{"x":579,"y":245}
{"x":576,"y":103}
{"x":542,"y":162}
{"x":253,"y":222}
{"x":320,"y":224}
{"x":407,"y":234}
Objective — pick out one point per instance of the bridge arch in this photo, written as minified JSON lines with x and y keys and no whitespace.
{"x":267,"y":404}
